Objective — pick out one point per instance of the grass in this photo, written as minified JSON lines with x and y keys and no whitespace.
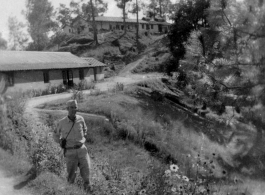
{"x":48,"y":183}
{"x":170,"y":135}
{"x":149,"y":124}
{"x":132,"y":150}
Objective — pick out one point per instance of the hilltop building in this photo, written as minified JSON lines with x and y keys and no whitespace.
{"x":80,"y":26}
{"x":32,"y":70}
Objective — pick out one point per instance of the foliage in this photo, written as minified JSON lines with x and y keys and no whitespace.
{"x":100,"y":7}
{"x":59,"y":38}
{"x":39,"y":15}
{"x":84,"y":85}
{"x":88,"y":11}
{"x":190,"y":16}
{"x":161,"y":8}
{"x":15,"y":133}
{"x":45,"y":154}
{"x":49,"y":183}
{"x":122,"y":5}
{"x":17,"y":37}
{"x":222,"y":56}
{"x":3,"y":43}
{"x":64,"y":15}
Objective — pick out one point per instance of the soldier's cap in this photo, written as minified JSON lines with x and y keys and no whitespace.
{"x":71,"y":103}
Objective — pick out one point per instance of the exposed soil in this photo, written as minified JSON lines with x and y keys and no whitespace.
{"x":7,"y":185}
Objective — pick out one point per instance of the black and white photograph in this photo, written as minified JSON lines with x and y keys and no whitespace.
{"x":132,"y":97}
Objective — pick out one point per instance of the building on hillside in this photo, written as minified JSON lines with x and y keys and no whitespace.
{"x":80,"y":26}
{"x":28,"y":70}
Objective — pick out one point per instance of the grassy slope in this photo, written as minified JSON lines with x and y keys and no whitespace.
{"x":172,"y":136}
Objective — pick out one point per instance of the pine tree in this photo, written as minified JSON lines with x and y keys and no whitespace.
{"x":3,"y":43}
{"x":122,"y":5}
{"x":229,"y":55}
{"x":18,"y":39}
{"x":39,"y":14}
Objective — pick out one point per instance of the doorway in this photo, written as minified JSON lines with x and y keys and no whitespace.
{"x":160,"y":28}
{"x":68,"y":78}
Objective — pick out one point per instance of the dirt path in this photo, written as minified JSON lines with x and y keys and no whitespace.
{"x":126,"y":78}
{"x":7,"y":186}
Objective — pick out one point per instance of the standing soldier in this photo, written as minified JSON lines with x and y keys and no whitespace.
{"x":70,"y":133}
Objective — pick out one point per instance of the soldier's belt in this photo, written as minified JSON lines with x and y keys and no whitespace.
{"x":74,"y":147}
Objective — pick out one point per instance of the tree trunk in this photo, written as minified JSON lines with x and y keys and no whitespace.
{"x":124,"y":20}
{"x":94,"y":24}
{"x":137,"y":28}
{"x":160,"y":8}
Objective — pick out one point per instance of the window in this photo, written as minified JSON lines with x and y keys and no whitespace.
{"x":81,"y":74}
{"x":117,"y":27}
{"x":152,"y":26}
{"x":46,"y":77}
{"x":69,"y":30}
{"x":10,"y":78}
{"x":147,"y":27}
{"x":142,"y":26}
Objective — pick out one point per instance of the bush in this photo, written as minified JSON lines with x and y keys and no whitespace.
{"x":84,"y":85}
{"x":130,"y":57}
{"x":45,"y":154}
{"x":15,"y":135}
{"x":78,"y":95}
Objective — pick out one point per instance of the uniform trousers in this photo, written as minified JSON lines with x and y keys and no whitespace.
{"x":78,"y":158}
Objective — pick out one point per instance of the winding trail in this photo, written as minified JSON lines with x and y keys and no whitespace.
{"x":7,"y":184}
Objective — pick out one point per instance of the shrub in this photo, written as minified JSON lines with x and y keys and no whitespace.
{"x":45,"y":153}
{"x":130,"y":57}
{"x":78,"y":95}
{"x":119,"y":87}
{"x":15,"y":135}
{"x":84,"y":84}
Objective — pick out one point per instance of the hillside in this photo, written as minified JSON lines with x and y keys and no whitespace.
{"x":147,"y":133}
{"x":156,"y":122}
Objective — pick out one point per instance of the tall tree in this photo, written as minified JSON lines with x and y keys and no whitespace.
{"x":3,"y":43}
{"x":122,"y":5}
{"x":39,"y":14}
{"x":87,"y":10}
{"x":64,"y":15}
{"x":229,"y":55}
{"x":160,"y":7}
{"x":191,"y":15}
{"x":91,"y":10}
{"x":94,"y":23}
{"x":18,"y":39}
{"x":135,"y":10}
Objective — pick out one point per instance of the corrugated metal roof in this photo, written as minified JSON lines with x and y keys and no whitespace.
{"x":117,"y":19}
{"x":34,"y":60}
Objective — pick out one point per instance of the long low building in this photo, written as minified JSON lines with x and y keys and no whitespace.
{"x":80,"y":26}
{"x":32,"y":70}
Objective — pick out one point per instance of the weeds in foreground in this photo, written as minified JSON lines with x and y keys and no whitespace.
{"x":45,"y":155}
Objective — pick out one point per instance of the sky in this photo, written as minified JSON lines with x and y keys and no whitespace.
{"x":15,"y":7}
